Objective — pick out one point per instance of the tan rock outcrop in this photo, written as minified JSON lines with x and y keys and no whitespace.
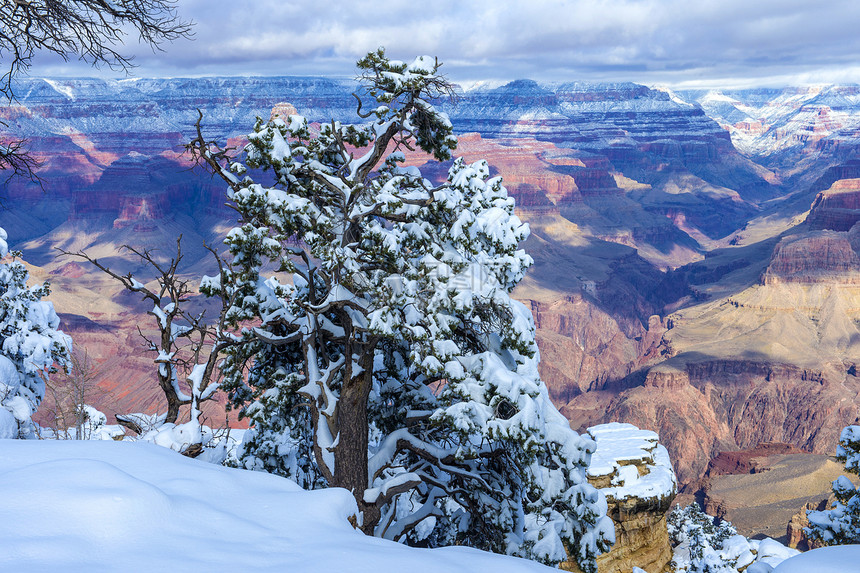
{"x":635,"y":474}
{"x":283,"y":110}
{"x":794,"y":531}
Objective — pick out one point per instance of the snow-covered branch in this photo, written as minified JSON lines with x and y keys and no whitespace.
{"x":394,"y":363}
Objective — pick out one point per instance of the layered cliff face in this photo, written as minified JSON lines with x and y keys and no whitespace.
{"x":776,"y":362}
{"x":814,"y":257}
{"x":703,"y":408}
{"x":635,"y":474}
{"x":836,"y":208}
{"x":651,"y":171}
{"x":682,"y":160}
{"x":770,"y":358}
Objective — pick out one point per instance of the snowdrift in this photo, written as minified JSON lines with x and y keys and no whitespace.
{"x":82,"y":506}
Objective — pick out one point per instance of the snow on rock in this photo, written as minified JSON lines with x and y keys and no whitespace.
{"x":176,"y":437}
{"x":81,"y":506}
{"x":635,"y":474}
{"x":836,"y":559}
{"x":635,"y":464}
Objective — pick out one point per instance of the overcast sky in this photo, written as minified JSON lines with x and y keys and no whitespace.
{"x":682,"y":43}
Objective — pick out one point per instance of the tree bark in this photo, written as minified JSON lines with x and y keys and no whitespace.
{"x":173,"y":401}
{"x":350,"y":454}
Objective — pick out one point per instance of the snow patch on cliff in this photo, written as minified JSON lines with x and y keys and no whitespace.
{"x":638,"y":465}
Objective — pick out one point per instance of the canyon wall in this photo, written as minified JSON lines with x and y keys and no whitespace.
{"x":678,"y":283}
{"x":773,"y":361}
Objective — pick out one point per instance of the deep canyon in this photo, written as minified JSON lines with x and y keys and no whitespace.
{"x":697,"y":254}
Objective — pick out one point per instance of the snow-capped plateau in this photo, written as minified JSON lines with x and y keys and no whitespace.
{"x":621,"y":450}
{"x":779,"y":125}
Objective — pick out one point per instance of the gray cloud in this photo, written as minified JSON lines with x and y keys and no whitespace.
{"x":678,"y":42}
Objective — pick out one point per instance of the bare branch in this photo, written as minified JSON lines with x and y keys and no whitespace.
{"x":17,"y":161}
{"x":209,"y":153}
{"x":175,"y":323}
{"x":129,"y":422}
{"x":91,"y":30}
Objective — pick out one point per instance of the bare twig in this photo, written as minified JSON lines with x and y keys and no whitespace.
{"x":91,"y":30}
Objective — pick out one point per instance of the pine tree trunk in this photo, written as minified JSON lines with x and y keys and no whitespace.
{"x":350,"y":454}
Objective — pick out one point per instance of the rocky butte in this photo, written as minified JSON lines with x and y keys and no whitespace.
{"x":635,"y":474}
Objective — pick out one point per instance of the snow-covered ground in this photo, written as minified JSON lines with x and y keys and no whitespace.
{"x":83,"y":506}
{"x":837,"y":559}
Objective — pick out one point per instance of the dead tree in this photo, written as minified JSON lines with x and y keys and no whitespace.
{"x":187,"y":343}
{"x":71,"y":394}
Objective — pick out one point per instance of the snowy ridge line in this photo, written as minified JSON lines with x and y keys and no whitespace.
{"x":236,"y":101}
{"x":767,"y":122}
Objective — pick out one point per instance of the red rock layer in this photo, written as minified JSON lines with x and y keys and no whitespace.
{"x":814,"y":257}
{"x":837,"y":208}
{"x":742,"y":461}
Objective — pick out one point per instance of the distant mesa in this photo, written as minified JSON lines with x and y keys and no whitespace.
{"x":814,"y":257}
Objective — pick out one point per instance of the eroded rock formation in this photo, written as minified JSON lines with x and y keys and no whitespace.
{"x":796,"y":538}
{"x":634,"y":472}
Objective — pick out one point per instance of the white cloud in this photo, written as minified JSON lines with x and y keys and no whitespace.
{"x":649,"y":41}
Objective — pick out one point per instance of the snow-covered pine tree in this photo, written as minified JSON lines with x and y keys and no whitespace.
{"x":840,"y":525}
{"x":698,"y":541}
{"x":31,"y":346}
{"x":394,"y":362}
